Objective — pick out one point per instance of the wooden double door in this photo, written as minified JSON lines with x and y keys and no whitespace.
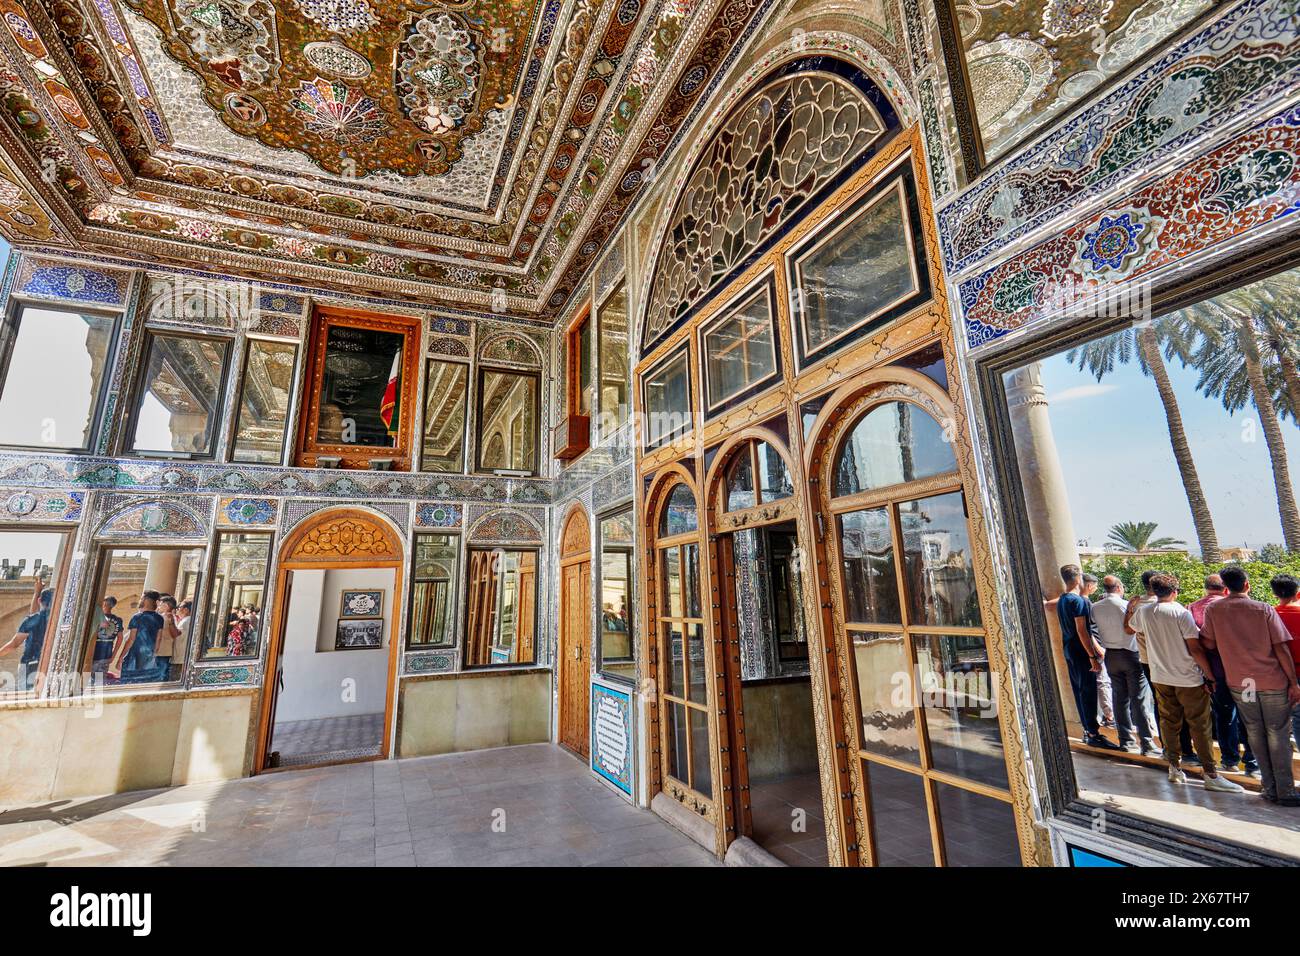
{"x":576,"y":627}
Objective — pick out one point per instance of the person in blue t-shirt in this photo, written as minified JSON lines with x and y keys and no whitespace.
{"x":1083,"y":653}
{"x":106,"y":634}
{"x":134,"y":661}
{"x":31,"y":631}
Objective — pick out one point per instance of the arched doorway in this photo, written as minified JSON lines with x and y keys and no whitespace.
{"x":574,"y":658}
{"x":922,"y":722}
{"x":331,"y":667}
{"x":679,"y":650}
{"x":765,"y":710}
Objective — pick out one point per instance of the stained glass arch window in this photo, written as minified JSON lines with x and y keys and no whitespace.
{"x":764,"y":168}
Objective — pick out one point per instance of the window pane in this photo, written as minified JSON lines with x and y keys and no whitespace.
{"x":884,"y":698}
{"x":740,"y":481}
{"x":612,"y":344}
{"x":29,"y":595}
{"x":773,"y":476}
{"x":672,"y":589}
{"x":264,"y":402}
{"x":236,"y":596}
{"x":675,"y":733}
{"x":860,"y":271}
{"x":446,"y":385}
{"x":870,"y":581}
{"x":898,"y":816}
{"x":697,"y":688}
{"x":895,"y":442}
{"x":691,"y":579}
{"x":960,"y":700}
{"x":674,"y":676}
{"x":738,"y":350}
{"x":940,"y":578}
{"x":435,"y":570}
{"x":155,"y":639}
{"x":679,"y":515}
{"x":180,"y":401}
{"x":502,"y":607}
{"x":977,"y":830}
{"x":584,"y":368}
{"x":39,"y":409}
{"x":701,"y":774}
{"x":668,"y":400}
{"x":617,"y":648}
{"x":507,"y":421}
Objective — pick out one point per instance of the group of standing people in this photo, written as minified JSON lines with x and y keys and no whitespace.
{"x":31,"y":634}
{"x":141,"y":652}
{"x":241,"y":630}
{"x":1223,"y":667}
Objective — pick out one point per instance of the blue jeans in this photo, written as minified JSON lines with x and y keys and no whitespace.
{"x":164,"y":667}
{"x":1083,"y":681}
{"x":1228,"y":729}
{"x":1295,"y":725}
{"x":1268,"y":717}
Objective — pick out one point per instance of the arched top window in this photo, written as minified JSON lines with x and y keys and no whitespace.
{"x":510,"y":349}
{"x":679,"y":515}
{"x":895,"y":442}
{"x":765,"y":167}
{"x":757,"y":475}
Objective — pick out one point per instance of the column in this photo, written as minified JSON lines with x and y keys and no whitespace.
{"x":1047,"y":505}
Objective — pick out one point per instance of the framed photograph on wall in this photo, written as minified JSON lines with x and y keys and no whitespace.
{"x":359,"y":634}
{"x":368,"y":603}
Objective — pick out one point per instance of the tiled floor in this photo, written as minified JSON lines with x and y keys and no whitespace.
{"x":772,"y":808}
{"x":1146,"y":791}
{"x":517,"y":806}
{"x":304,"y":742}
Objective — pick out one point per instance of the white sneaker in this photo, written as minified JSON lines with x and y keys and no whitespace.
{"x":1177,"y":776}
{"x":1223,"y":785}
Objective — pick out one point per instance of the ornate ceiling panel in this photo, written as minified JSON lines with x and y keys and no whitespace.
{"x":438,"y":151}
{"x":1029,"y":62}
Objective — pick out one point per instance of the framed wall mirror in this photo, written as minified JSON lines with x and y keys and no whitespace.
{"x":501,"y":607}
{"x":360,"y":389}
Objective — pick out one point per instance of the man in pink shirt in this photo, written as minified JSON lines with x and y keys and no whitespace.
{"x":1214,"y":591}
{"x":1228,"y":729}
{"x":1255,"y":647}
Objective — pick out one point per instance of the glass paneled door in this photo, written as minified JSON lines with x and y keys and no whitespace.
{"x":681,"y":651}
{"x":932,"y":778}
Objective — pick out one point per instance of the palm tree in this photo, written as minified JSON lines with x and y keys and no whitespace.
{"x":1226,"y":341}
{"x":1143,"y":344}
{"x":1137,"y":536}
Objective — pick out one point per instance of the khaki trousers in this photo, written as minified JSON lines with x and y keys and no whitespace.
{"x":1192,"y":704}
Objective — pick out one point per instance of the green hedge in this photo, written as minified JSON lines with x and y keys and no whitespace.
{"x":1190,"y":572}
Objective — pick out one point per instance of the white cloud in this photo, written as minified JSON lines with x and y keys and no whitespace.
{"x":1079,"y":392}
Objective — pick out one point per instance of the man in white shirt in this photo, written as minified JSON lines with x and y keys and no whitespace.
{"x":184,"y":618}
{"x":1128,"y":683}
{"x":1178,"y":668}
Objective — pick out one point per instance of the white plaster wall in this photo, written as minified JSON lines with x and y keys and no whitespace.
{"x":313,"y":671}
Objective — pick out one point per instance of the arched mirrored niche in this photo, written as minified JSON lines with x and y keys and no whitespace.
{"x":765,"y":714}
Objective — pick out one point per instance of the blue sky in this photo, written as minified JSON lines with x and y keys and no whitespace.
{"x":1119,"y":466}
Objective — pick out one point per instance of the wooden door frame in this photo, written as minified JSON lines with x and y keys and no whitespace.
{"x":722,"y":524}
{"x":396,"y":640}
{"x":568,"y":558}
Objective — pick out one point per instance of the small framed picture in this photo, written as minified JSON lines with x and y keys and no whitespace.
{"x":362,"y":603}
{"x":358,"y":634}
